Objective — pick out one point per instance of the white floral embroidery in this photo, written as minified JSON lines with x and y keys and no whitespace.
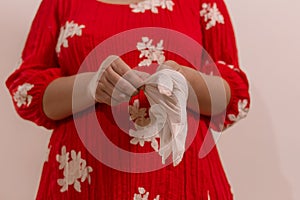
{"x":143,"y":195}
{"x":136,"y":112}
{"x":151,"y":52}
{"x":137,"y":115}
{"x":74,"y":170}
{"x":230,"y":66}
{"x":211,"y":15}
{"x":243,"y":111}
{"x":21,"y":96}
{"x":69,"y":30}
{"x":152,"y":5}
{"x":141,"y":142}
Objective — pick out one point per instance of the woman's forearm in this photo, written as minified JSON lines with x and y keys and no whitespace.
{"x":208,"y":95}
{"x":212,"y":92}
{"x":57,"y":99}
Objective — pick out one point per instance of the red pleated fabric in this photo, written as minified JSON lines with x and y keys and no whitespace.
{"x":62,"y":35}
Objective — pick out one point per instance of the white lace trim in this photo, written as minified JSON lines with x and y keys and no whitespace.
{"x":151,"y":52}
{"x":152,"y":5}
{"x":21,"y":96}
{"x":70,"y":29}
{"x":143,"y":195}
{"x":211,"y":15}
{"x":243,"y":111}
{"x":73,"y":170}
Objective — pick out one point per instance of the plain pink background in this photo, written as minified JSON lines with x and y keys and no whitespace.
{"x":260,"y":154}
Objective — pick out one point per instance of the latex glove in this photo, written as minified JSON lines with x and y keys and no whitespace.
{"x":115,"y":82}
{"x":167,"y":93}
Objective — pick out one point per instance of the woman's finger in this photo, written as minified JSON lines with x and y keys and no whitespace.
{"x":116,"y":95}
{"x":102,"y":97}
{"x":123,"y":70}
{"x":120,"y":67}
{"x":120,"y":83}
{"x":136,"y":79}
{"x":106,"y":85}
{"x":104,"y":93}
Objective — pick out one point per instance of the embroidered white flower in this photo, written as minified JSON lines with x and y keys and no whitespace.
{"x":136,"y":112}
{"x":74,"y":170}
{"x":21,"y":96}
{"x":138,"y":115}
{"x":70,"y":29}
{"x":230,"y":66}
{"x":211,"y":15}
{"x":141,"y":142}
{"x":243,"y":111}
{"x":152,"y":5}
{"x":167,"y":4}
{"x":143,"y":195}
{"x":151,"y":52}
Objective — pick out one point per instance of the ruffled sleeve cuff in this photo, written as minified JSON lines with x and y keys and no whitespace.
{"x":239,"y":103}
{"x":27,"y":90}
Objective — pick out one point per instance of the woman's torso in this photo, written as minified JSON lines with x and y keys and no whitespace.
{"x":100,"y":134}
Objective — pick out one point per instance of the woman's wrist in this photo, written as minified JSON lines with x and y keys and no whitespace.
{"x":204,"y":90}
{"x":67,"y":95}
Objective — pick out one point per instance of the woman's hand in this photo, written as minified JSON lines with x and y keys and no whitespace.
{"x":170,"y":64}
{"x":208,"y":95}
{"x":115,"y":82}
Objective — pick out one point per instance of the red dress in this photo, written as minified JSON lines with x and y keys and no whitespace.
{"x":63,"y":34}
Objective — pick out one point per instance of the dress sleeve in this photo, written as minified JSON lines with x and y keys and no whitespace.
{"x":219,"y":42}
{"x":38,"y":68}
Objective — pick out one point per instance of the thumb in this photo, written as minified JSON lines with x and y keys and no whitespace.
{"x":170,"y":64}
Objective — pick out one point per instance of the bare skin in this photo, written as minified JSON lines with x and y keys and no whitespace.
{"x":57,"y":99}
{"x":211,"y":91}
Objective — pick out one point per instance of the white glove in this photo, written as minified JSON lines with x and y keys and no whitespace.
{"x":167,"y":92}
{"x":115,"y":82}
